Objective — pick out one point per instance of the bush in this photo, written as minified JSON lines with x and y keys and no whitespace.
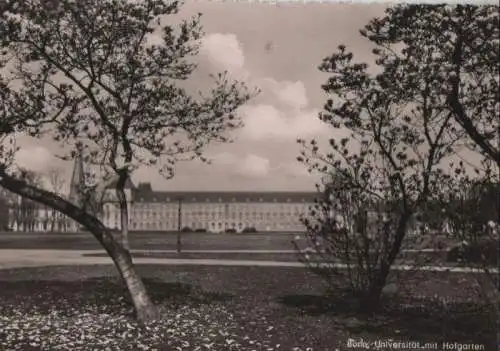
{"x":201,"y":230}
{"x":485,"y":252}
{"x":230,"y":230}
{"x":249,"y":230}
{"x":186,"y":230}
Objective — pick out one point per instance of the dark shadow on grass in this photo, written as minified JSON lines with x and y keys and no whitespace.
{"x":426,"y":318}
{"x":107,"y":293}
{"x":456,"y":321}
{"x":315,"y":305}
{"x":162,"y":292}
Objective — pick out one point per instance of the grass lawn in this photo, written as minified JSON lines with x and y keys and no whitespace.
{"x":150,"y":241}
{"x":228,"y":308}
{"x":417,"y":258}
{"x":168,"y":241}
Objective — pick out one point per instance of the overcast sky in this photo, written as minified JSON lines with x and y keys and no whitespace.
{"x":278,"y":49}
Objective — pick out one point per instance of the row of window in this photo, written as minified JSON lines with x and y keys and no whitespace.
{"x":212,"y":226}
{"x":206,"y":200}
{"x":202,"y":207}
{"x":212,"y":214}
{"x":253,"y":214}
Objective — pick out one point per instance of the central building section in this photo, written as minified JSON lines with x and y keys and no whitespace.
{"x":217,"y":211}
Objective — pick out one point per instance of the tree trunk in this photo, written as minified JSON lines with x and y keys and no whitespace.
{"x":371,"y":301}
{"x":122,"y":200}
{"x":123,"y":218}
{"x":144,"y":307}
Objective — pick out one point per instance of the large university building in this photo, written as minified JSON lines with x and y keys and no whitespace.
{"x":213,"y":211}
{"x":208,"y":211}
{"x":149,"y":210}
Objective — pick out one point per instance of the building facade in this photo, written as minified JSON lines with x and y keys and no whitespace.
{"x":149,"y":210}
{"x":217,"y":211}
{"x":214,"y":212}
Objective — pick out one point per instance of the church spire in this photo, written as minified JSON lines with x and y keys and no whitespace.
{"x":77,"y":179}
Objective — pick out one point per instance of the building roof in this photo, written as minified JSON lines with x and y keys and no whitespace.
{"x":223,"y":196}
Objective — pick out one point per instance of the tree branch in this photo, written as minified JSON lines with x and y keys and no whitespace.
{"x":459,"y":112}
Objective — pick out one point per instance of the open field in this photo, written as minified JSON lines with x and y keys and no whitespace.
{"x":229,"y":308}
{"x":152,"y":241}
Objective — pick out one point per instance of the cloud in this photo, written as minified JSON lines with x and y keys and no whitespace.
{"x":225,"y":159}
{"x":38,"y":158}
{"x":255,"y":166}
{"x":267,"y":122}
{"x":292,"y":94}
{"x":225,"y":52}
{"x":281,"y":112}
{"x":294,"y":169}
{"x":250,"y":165}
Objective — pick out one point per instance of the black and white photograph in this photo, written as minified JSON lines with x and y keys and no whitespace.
{"x":249,"y":175}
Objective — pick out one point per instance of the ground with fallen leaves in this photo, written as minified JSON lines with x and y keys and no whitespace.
{"x":229,"y":308}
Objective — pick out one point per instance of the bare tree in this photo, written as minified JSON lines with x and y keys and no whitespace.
{"x":56,"y":182}
{"x":459,"y":48}
{"x":105,"y":78}
{"x":434,"y":89}
{"x":26,"y":213}
{"x":397,"y":136}
{"x":463,"y":41}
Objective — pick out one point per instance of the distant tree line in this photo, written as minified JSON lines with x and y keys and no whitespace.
{"x":22,"y":214}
